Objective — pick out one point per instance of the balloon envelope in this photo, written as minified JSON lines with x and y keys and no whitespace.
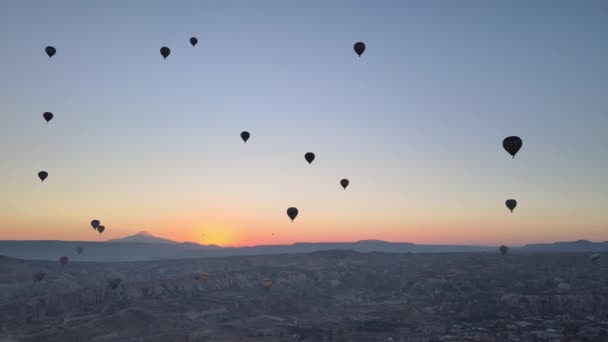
{"x":48,"y":116}
{"x":503,"y":249}
{"x":79,"y":250}
{"x":64,"y":260}
{"x":39,"y":275}
{"x":100,"y":229}
{"x":50,"y":51}
{"x":43,"y":175}
{"x":292,"y":213}
{"x":165,"y":52}
{"x":511,"y":204}
{"x":309,"y":156}
{"x":512,"y":145}
{"x":245,"y":136}
{"x":95,"y":224}
{"x":193,"y":41}
{"x":114,"y":283}
{"x":359,"y":48}
{"x":344,"y":183}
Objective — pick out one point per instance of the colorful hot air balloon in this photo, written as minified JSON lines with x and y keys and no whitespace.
{"x":511,"y":204}
{"x":193,"y":41}
{"x":95,"y":224}
{"x":79,"y":250}
{"x":43,"y":175}
{"x":267,"y":283}
{"x":165,"y":52}
{"x":344,"y":183}
{"x":503,"y":250}
{"x":359,"y":48}
{"x":245,"y":136}
{"x":309,"y":156}
{"x":100,"y":229}
{"x":292,"y":213}
{"x":48,"y":116}
{"x":512,"y":145}
{"x":50,"y":51}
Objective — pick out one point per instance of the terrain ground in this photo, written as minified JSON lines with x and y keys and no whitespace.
{"x":322,"y":296}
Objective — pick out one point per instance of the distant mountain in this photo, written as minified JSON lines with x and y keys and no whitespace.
{"x":143,"y":237}
{"x":572,"y":246}
{"x":143,"y":246}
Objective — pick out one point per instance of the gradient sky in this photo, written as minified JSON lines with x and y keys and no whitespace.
{"x":416,"y":123}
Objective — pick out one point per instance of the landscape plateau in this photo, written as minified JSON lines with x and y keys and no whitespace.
{"x":326,"y":295}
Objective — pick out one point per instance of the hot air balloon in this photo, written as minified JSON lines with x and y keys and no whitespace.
{"x":309,"y":156}
{"x":512,"y":145}
{"x":63,"y":260}
{"x":245,"y":136}
{"x":267,"y":283}
{"x":50,"y":51}
{"x":42,"y":175}
{"x":39,"y":275}
{"x":594,"y":257}
{"x":344,"y":183}
{"x":503,"y":250}
{"x":359,"y":48}
{"x":100,"y":229}
{"x":48,"y":116}
{"x":292,"y":213}
{"x":114,"y":282}
{"x":511,"y":204}
{"x":204,"y":276}
{"x":95,"y":224}
{"x":165,"y":52}
{"x":193,"y":41}
{"x":79,"y":250}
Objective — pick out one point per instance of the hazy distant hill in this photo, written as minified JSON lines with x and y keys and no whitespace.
{"x":143,"y":237}
{"x":572,"y":246}
{"x":143,"y":246}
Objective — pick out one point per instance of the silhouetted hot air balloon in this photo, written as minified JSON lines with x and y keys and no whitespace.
{"x":344,"y":183}
{"x":511,"y":204}
{"x":503,"y":250}
{"x":114,"y":282}
{"x":267,"y":283}
{"x":245,"y":136}
{"x":292,"y":213}
{"x":48,"y":116}
{"x":512,"y":145}
{"x":309,"y":156}
{"x":193,"y":41}
{"x":79,"y":250}
{"x":43,"y":175}
{"x":204,"y":276}
{"x":39,"y":275}
{"x":165,"y":52}
{"x":359,"y":48}
{"x":50,"y":51}
{"x":63,"y":260}
{"x":594,"y":257}
{"x":100,"y":229}
{"x":95,"y":224}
